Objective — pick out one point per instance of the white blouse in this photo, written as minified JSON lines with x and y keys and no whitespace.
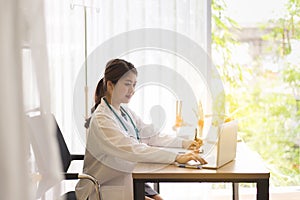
{"x":112,"y":145}
{"x":112,"y":152}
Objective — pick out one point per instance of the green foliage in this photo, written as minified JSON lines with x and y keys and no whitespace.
{"x":285,"y":28}
{"x":291,"y":74}
{"x":223,"y":39}
{"x":266,"y":125}
{"x":268,"y":121}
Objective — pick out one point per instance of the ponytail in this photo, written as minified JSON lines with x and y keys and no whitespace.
{"x":99,"y":93}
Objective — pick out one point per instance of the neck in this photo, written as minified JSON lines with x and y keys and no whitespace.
{"x":114,"y":104}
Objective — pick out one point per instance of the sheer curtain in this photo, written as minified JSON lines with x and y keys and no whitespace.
{"x":107,"y":21}
{"x":13,"y":143}
{"x":25,"y":87}
{"x":27,"y":83}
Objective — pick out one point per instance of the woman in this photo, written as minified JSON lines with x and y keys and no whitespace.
{"x":118,"y":139}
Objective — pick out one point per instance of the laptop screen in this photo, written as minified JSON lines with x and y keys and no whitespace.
{"x":223,"y":150}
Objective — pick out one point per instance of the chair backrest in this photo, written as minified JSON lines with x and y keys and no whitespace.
{"x":63,"y":148}
{"x":37,"y":122}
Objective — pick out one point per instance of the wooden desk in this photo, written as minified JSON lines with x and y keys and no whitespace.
{"x":247,"y":167}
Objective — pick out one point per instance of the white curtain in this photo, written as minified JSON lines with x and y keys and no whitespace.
{"x":27,"y":83}
{"x":106,"y":20}
{"x":23,"y":60}
{"x":13,"y":142}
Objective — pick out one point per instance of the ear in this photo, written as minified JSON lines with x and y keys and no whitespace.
{"x":110,"y":86}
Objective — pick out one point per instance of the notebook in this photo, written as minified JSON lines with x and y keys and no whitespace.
{"x":223,"y":150}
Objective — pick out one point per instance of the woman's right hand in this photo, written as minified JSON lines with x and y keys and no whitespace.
{"x":184,"y":158}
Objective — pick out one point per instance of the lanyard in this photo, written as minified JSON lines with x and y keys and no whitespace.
{"x":122,"y":109}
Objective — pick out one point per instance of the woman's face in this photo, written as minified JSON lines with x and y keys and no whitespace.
{"x":123,"y":90}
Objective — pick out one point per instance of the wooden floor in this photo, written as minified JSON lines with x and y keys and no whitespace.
{"x":204,"y":191}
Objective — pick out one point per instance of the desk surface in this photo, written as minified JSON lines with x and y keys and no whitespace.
{"x":247,"y":165}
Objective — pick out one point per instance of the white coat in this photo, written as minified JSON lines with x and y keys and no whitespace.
{"x":112,"y":153}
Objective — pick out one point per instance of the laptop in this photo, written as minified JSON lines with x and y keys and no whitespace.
{"x":223,"y":150}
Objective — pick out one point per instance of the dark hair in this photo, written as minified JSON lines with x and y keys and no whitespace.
{"x":114,"y":70}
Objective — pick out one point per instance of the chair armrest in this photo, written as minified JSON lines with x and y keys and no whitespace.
{"x":95,"y":181}
{"x":74,"y":176}
{"x":77,"y":157}
{"x":88,"y":177}
{"x":71,"y":176}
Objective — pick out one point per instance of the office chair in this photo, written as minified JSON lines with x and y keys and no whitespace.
{"x":66,"y":159}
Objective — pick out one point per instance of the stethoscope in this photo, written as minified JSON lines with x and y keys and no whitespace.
{"x":124,"y":111}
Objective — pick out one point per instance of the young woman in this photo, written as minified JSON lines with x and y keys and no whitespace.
{"x":118,"y":139}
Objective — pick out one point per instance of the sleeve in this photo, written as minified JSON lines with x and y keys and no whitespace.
{"x":152,"y":137}
{"x":106,"y":138}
